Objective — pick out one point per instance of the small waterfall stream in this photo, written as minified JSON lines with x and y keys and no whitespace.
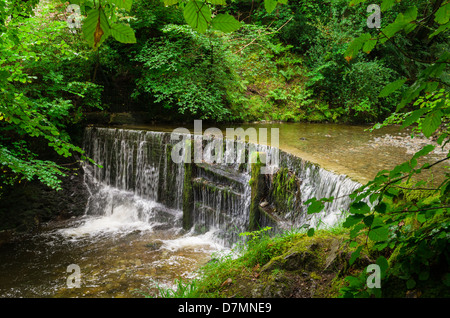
{"x":135,"y":166}
{"x":149,"y":219}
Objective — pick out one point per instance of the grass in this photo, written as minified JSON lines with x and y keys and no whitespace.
{"x":244,"y":260}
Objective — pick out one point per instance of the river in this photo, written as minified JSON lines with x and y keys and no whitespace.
{"x":131,"y":247}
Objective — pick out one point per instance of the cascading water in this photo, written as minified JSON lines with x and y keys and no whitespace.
{"x":135,"y":170}
{"x":133,"y":231}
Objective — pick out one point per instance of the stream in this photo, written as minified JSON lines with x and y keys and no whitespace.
{"x":131,"y":240}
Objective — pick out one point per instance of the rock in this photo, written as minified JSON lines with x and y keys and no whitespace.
{"x":155,"y":245}
{"x":264,"y":204}
{"x":294,"y":260}
{"x":332,"y":254}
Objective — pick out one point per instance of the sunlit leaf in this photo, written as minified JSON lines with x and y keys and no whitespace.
{"x":197,"y":14}
{"x":225,"y":23}
{"x":356,"y":45}
{"x":123,"y":33}
{"x":431,"y":122}
{"x":270,"y":5}
{"x":442,"y":15}
{"x":379,"y":233}
{"x":96,"y":27}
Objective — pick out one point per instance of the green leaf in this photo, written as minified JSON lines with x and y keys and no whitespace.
{"x":355,"y":231}
{"x":441,"y":29}
{"x":355,"y":2}
{"x":414,"y":117}
{"x":391,"y":87}
{"x":310,"y":232}
{"x":442,"y":138}
{"x":96,"y":27}
{"x":401,"y":22}
{"x":379,"y":233}
{"x":386,"y":5}
{"x":384,"y":265}
{"x":369,"y":45}
{"x":359,"y":207}
{"x":381,"y":207}
{"x":270,"y":5}
{"x":431,"y":122}
{"x":315,"y":207}
{"x":353,"y":281}
{"x":197,"y":14}
{"x":356,"y":45}
{"x":410,"y":14}
{"x":123,"y":33}
{"x":411,"y":93}
{"x":352,"y":220}
{"x":424,"y":151}
{"x":355,"y":255}
{"x":421,"y":218}
{"x":225,"y":23}
{"x":368,"y":220}
{"x":442,"y":15}
{"x":126,"y":4}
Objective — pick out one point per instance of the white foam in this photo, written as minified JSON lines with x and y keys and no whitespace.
{"x":123,"y":218}
{"x":202,"y":242}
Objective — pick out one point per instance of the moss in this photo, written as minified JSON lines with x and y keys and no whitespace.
{"x":293,"y":266}
{"x":188,"y":197}
{"x":314,"y":276}
{"x":285,"y":191}
{"x":257,"y":191}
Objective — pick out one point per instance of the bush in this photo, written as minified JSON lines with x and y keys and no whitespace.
{"x":186,"y":71}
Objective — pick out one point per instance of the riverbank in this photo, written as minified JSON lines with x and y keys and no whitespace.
{"x":296,"y":265}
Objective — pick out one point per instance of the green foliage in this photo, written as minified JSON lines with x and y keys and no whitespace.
{"x":40,"y":93}
{"x":182,"y":289}
{"x":103,"y":19}
{"x":169,"y":77}
{"x":100,"y":21}
{"x":254,"y":237}
{"x":417,"y":230}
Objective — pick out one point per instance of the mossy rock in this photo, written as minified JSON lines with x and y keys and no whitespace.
{"x":316,"y":253}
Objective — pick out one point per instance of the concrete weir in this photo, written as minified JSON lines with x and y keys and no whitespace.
{"x":200,"y":195}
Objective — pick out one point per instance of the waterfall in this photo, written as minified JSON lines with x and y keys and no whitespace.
{"x":136,"y":179}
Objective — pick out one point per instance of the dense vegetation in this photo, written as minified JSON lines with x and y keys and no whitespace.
{"x":254,"y":60}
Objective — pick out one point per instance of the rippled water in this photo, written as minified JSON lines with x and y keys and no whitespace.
{"x":117,"y":257}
